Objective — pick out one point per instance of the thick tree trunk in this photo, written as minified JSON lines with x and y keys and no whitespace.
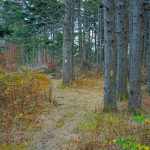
{"x":143,"y":37}
{"x":110,"y":57}
{"x":121,"y":46}
{"x":67,"y":43}
{"x":136,"y":59}
{"x":130,"y":5}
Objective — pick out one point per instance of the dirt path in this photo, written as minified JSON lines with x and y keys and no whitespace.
{"x":59,"y":126}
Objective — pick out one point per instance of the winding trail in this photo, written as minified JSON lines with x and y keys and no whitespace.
{"x":60,"y":124}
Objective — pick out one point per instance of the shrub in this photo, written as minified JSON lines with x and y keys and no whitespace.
{"x":88,"y":82}
{"x":52,"y":66}
{"x":22,"y":96}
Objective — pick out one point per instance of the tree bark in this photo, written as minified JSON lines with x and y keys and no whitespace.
{"x":80,"y":36}
{"x":148,"y":80}
{"x":67,"y":43}
{"x":122,"y":47}
{"x":135,"y":96}
{"x":99,"y":45}
{"x":72,"y":48}
{"x":110,"y":57}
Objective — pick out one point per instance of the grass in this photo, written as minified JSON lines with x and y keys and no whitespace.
{"x":91,"y":80}
{"x":63,"y":120}
{"x":112,"y":131}
{"x":14,"y":147}
{"x":24,"y":97}
{"x":96,"y":130}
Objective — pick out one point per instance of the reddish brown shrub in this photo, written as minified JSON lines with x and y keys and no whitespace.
{"x":52,"y":65}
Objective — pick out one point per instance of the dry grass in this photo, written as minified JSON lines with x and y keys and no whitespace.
{"x":101,"y":131}
{"x":24,"y":97}
{"x":89,"y":80}
{"x":63,"y":119}
{"x":93,"y":131}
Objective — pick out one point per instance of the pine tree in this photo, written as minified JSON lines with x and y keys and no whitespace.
{"x":122,"y":47}
{"x":136,"y":59}
{"x":110,"y":57}
{"x":67,"y":43}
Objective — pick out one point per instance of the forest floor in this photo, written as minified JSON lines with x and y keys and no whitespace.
{"x":67,"y":126}
{"x":75,"y":123}
{"x":60,"y":125}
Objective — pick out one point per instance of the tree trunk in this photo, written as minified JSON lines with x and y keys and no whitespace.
{"x":80,"y":36}
{"x":53,"y":47}
{"x":121,"y":46}
{"x":84,"y":37}
{"x":72,"y":49}
{"x":136,"y":59}
{"x":67,"y":43}
{"x":99,"y":45}
{"x":2,"y":21}
{"x":148,"y":81}
{"x":95,"y":43}
{"x":88,"y":46}
{"x":110,"y":57}
{"x":130,"y":12}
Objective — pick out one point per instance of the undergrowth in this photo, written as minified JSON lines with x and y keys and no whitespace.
{"x":24,"y":96}
{"x":14,"y":147}
{"x":114,"y":131}
{"x":90,"y":80}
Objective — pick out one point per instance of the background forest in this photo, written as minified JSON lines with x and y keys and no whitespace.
{"x":74,"y":74}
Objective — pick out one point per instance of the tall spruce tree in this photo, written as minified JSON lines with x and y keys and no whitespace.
{"x":136,"y":59}
{"x":67,"y":43}
{"x":110,"y":103}
{"x":122,"y":47}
